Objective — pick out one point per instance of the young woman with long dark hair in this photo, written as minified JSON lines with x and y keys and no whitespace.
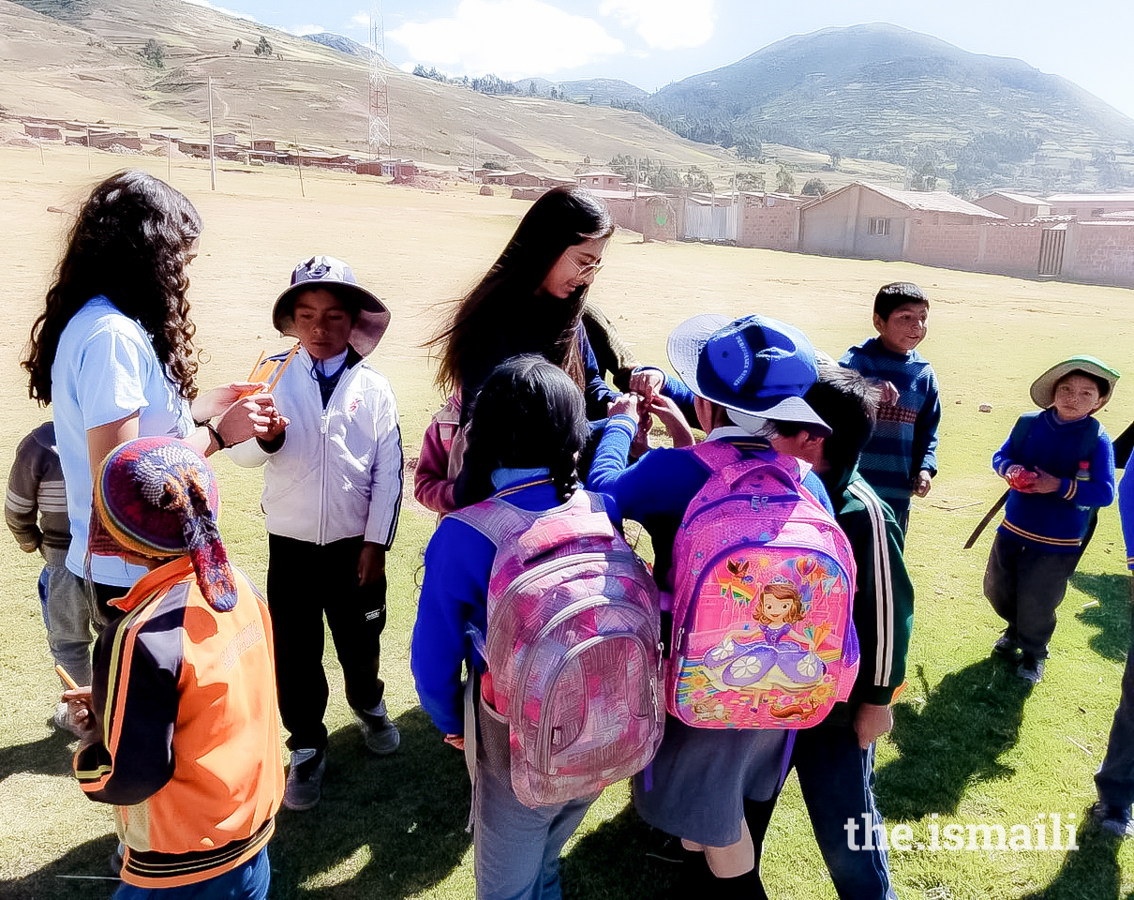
{"x":531,"y":301}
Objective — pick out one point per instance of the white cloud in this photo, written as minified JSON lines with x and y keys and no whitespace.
{"x":221,"y":9}
{"x":509,"y":38}
{"x":360,"y":19}
{"x":304,"y":30}
{"x":666,"y":24}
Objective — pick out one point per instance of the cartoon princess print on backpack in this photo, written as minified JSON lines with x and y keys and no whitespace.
{"x":773,"y":654}
{"x":768,"y":655}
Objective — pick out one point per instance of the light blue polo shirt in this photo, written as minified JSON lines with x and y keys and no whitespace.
{"x":105,"y":370}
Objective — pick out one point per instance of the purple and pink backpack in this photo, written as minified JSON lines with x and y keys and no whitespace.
{"x":763,"y":585}
{"x":573,"y":647}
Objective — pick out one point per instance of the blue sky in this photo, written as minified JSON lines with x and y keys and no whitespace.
{"x":652,"y":42}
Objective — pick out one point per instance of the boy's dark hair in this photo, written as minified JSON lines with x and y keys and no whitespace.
{"x":528,"y":415}
{"x":891,"y":296}
{"x":1101,"y":383}
{"x":849,"y":404}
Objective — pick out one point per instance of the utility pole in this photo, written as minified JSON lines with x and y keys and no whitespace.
{"x":212,"y":151}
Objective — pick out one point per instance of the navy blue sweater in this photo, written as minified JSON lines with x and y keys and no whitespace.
{"x":1057,"y":521}
{"x":905,"y":439}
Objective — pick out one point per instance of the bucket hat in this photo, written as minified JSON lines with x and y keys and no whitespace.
{"x":754,"y":365}
{"x":337,"y":277}
{"x":1043,"y":388}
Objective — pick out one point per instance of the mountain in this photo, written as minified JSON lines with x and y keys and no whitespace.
{"x":340,"y":43}
{"x":883,"y":92}
{"x":599,"y":91}
{"x":83,"y":59}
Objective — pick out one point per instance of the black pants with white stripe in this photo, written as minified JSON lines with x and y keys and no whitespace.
{"x":306,"y":581}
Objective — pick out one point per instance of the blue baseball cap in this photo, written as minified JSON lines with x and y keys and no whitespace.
{"x":752,"y":365}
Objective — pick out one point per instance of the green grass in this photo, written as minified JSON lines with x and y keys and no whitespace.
{"x":968,"y":746}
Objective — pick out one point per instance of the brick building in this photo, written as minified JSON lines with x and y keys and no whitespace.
{"x":1090,"y":206}
{"x":871,"y":221}
{"x":1016,"y":208}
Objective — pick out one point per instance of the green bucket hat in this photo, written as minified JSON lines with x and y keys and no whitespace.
{"x":1043,"y":388}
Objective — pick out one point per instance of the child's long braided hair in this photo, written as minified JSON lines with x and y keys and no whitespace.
{"x":529,"y":415}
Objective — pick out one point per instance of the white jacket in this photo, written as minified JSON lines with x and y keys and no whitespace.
{"x":339,"y":471}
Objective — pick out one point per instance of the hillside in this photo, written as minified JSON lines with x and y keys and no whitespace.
{"x":600,"y":91}
{"x":883,"y":92}
{"x":81,"y":59}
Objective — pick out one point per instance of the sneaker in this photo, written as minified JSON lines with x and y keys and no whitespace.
{"x":1006,"y":648}
{"x":1114,"y":820}
{"x":1030,"y":668}
{"x":379,"y":733}
{"x":304,"y":779}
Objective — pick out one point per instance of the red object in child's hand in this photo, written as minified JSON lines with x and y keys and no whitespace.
{"x":1021,"y":479}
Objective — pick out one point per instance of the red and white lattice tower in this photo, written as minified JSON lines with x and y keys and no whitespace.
{"x":378,"y":120}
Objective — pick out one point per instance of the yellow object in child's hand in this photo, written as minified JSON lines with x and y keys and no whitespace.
{"x":269,"y":371}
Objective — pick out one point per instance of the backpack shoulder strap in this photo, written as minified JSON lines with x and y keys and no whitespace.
{"x":715,"y":455}
{"x":496,"y":519}
{"x":1020,"y":432}
{"x":500,"y":521}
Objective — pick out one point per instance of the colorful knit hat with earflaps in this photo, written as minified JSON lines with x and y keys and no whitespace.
{"x":157,"y":497}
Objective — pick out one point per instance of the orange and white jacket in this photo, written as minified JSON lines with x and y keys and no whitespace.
{"x":185,"y":699}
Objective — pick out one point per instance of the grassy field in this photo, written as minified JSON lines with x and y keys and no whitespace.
{"x":969,"y":745}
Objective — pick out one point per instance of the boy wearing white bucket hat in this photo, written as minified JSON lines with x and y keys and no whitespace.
{"x":1059,"y":465}
{"x":332,"y":491}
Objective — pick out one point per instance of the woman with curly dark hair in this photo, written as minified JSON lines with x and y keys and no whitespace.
{"x":113,"y":352}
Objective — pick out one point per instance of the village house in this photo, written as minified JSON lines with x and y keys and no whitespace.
{"x":873,"y":222}
{"x":43,"y":132}
{"x":1016,"y":208}
{"x":198,"y":149}
{"x":603,"y":181}
{"x":517,"y":178}
{"x":1090,"y":206}
{"x":398,"y":169}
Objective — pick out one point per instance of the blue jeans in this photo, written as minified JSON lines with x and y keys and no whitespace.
{"x":516,"y":849}
{"x":248,"y":881}
{"x":70,"y":620}
{"x":837,"y":780}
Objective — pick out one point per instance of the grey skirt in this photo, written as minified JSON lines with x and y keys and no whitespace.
{"x":696,"y":786}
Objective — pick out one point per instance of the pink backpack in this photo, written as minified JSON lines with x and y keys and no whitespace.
{"x":763,"y":586}
{"x":573,"y":647}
